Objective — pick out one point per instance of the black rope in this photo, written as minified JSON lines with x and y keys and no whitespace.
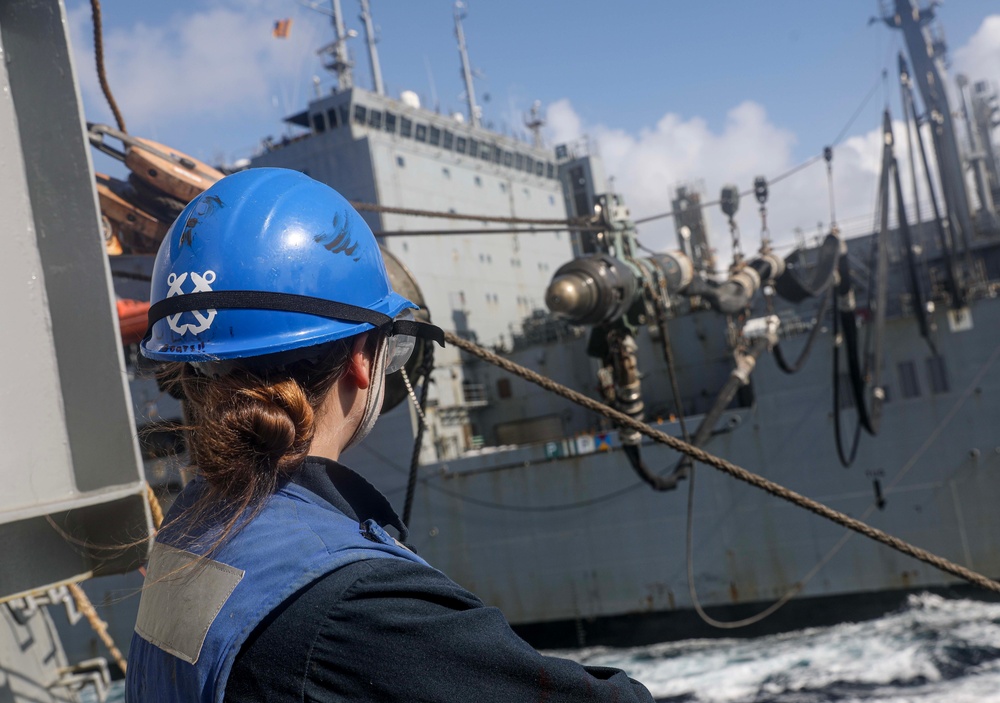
{"x":426,"y":367}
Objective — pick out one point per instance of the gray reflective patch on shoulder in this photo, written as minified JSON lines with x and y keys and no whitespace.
{"x":181,"y":599}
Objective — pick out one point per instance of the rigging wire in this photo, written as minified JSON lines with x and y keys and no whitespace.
{"x":442,"y":215}
{"x":434,"y":232}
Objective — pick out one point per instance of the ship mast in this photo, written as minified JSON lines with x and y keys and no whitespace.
{"x":340,"y":62}
{"x":466,"y":69}
{"x":366,"y":17}
{"x":926,"y":54}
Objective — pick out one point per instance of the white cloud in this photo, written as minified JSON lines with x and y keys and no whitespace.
{"x":979,"y":58}
{"x":647,"y":167}
{"x":197,"y":70}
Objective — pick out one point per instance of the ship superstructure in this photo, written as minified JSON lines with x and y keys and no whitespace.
{"x":548,"y":520}
{"x":374,"y":148}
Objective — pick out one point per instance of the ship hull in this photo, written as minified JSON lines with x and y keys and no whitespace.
{"x":579,"y":540}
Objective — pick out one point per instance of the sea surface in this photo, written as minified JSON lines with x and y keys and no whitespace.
{"x":934,"y":650}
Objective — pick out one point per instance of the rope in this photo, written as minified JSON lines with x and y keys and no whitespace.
{"x":155,"y":509}
{"x":413,"y":396}
{"x":727,"y":467}
{"x":374,"y":207}
{"x":426,"y":367}
{"x":95,"y":9}
{"x":86,"y":609}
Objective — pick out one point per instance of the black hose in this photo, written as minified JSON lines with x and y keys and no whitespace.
{"x":779,"y":356}
{"x":846,"y":457}
{"x":656,"y":482}
{"x":722,"y":401}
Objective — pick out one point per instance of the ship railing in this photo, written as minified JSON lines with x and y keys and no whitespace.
{"x":474,"y":395}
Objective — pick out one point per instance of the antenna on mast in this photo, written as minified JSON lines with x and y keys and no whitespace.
{"x":366,"y":17}
{"x":339,"y":60}
{"x":463,"y":52}
{"x":534,"y":122}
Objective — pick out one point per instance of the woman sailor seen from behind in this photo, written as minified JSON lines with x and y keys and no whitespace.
{"x":275,"y":576}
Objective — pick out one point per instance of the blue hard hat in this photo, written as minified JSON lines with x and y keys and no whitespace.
{"x":267,"y":260}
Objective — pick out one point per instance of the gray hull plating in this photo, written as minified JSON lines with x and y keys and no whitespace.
{"x":579,"y":538}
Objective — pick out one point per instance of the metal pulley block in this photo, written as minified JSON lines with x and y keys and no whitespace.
{"x":730,"y":199}
{"x":760,"y":189}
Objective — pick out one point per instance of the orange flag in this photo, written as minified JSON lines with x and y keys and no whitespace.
{"x":281,"y":28}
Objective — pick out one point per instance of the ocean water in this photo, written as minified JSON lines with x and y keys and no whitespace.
{"x":934,"y":650}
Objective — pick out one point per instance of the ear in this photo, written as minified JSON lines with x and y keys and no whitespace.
{"x":359,"y":368}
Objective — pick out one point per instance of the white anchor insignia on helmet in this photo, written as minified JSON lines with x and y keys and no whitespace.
{"x":202,"y":283}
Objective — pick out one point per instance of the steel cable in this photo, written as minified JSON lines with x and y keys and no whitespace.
{"x":507,"y":220}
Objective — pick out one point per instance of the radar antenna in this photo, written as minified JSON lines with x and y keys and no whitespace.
{"x":339,"y":59}
{"x":534,"y":122}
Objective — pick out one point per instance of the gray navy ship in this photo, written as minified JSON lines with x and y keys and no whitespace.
{"x":577,"y":529}
{"x":570,"y":526}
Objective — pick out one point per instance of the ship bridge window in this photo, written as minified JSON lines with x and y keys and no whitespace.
{"x":375,"y":119}
{"x":360,"y":114}
{"x":485,"y":153}
{"x":345,"y":114}
{"x":518,"y":161}
{"x":449,"y":140}
{"x":460,"y":143}
{"x":909,"y":384}
{"x":550,"y":170}
{"x":435,"y":136}
{"x":405,"y":127}
{"x":937,"y":374}
{"x":390,"y":122}
{"x":319,"y":125}
{"x":529,"y":164}
{"x":497,"y":154}
{"x":420,"y":134}
{"x":331,"y":117}
{"x":473,"y":148}
{"x":539,"y":167}
{"x":508,"y":158}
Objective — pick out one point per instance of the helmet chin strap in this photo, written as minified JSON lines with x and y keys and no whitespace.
{"x":376,"y":393}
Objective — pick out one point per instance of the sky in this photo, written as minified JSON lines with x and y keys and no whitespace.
{"x":670,"y":92}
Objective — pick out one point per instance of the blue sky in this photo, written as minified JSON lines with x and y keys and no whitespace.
{"x":671,"y":90}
